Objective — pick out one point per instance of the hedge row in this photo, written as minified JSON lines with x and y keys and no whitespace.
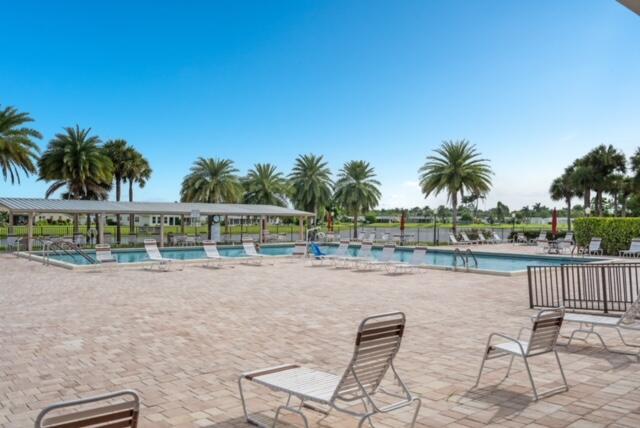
{"x":616,"y":232}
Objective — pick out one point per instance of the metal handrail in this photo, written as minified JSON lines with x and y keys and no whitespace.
{"x":468,"y":253}
{"x":457,"y":253}
{"x":70,"y":249}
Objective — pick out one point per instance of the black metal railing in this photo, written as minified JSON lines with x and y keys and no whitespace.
{"x":610,"y":287}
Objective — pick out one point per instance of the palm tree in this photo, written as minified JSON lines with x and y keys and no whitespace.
{"x":357,"y":189}
{"x":75,"y":160}
{"x":456,"y":168}
{"x":17,"y":149}
{"x":138,"y":172}
{"x":211,"y":181}
{"x":562,"y":190}
{"x":117,"y":151}
{"x":311,"y":183}
{"x":264,"y":185}
{"x":604,"y":161}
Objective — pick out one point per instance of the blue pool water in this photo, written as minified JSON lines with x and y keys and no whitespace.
{"x":491,"y":262}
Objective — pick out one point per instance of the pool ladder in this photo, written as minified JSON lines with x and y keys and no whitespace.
{"x":464,"y":257}
{"x":60,"y":247}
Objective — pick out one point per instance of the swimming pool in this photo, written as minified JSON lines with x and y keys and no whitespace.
{"x":443,"y":258}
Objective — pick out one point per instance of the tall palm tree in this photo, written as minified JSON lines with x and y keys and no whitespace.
{"x":311,"y":183}
{"x":211,"y":181}
{"x":562,"y":190}
{"x":582,"y":180}
{"x":604,"y":161}
{"x":17,"y":149}
{"x":265,"y":185}
{"x":117,"y":151}
{"x":75,"y":160}
{"x":455,"y":168}
{"x":138,"y":172}
{"x":357,"y":189}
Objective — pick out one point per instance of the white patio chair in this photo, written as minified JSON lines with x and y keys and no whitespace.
{"x":364,"y":254}
{"x":154,"y":254}
{"x":633,"y":251}
{"x":377,"y":343}
{"x":386,"y":257}
{"x":453,"y":240}
{"x":588,"y":322}
{"x":300,"y":249}
{"x":497,"y":239}
{"x":594,"y":248}
{"x":542,"y":340}
{"x":122,"y":415}
{"x":372,"y":237}
{"x":416,"y":261}
{"x":103,"y":254}
{"x":339,"y":255}
{"x":466,"y":240}
{"x":213,"y":255}
{"x":250,"y":252}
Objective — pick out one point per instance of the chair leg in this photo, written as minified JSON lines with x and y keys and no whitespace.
{"x":564,"y":379}
{"x":510,"y":365}
{"x":533,"y":385}
{"x":415,"y":415}
{"x":624,"y":341}
{"x":484,"y":359}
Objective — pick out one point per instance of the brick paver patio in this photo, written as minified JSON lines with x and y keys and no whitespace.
{"x":182,"y":338}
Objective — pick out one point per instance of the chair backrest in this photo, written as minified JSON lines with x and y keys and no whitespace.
{"x":249,"y":248}
{"x":103,"y":253}
{"x":496,"y":237}
{"x":123,"y":414}
{"x":300,"y":248}
{"x":342,"y":249}
{"x":481,"y":237}
{"x":568,"y":237}
{"x":387,"y":252}
{"x":417,"y":258}
{"x":210,"y":249}
{"x":542,"y":236}
{"x":365,"y":249}
{"x":464,"y":236}
{"x":635,"y":245}
{"x":545,"y":331}
{"x":315,"y":249}
{"x":594,"y":245}
{"x":452,"y":238}
{"x":377,"y":343}
{"x":151,"y":248}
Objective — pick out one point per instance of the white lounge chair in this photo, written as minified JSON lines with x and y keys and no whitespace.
{"x":588,"y":322}
{"x":300,"y":249}
{"x":466,"y":240}
{"x":497,"y":239}
{"x":250,"y":252}
{"x":123,"y":414}
{"x":566,"y":243}
{"x":594,"y":248}
{"x":386,"y":257}
{"x":482,"y":239}
{"x":633,"y":251}
{"x":377,"y":343}
{"x":542,"y":340}
{"x":155,"y":256}
{"x":372,"y":237}
{"x":454,"y":241}
{"x":521,"y":239}
{"x":338,"y":256}
{"x":103,"y":254}
{"x":364,"y":254}
{"x":417,"y":260}
{"x":213,"y":255}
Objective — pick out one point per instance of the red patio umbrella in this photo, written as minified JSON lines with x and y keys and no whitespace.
{"x":403,"y":219}
{"x":554,"y":222}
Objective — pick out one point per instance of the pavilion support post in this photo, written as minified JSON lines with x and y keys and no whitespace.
{"x":30,"y":218}
{"x":182,"y":224}
{"x":162,"y":231}
{"x":301,"y":221}
{"x":263,"y":221}
{"x":100,"y":228}
{"x":10,"y":222}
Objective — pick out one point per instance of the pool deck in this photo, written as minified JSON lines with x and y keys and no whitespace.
{"x":181,"y":339}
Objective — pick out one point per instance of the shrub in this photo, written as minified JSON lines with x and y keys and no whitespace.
{"x":616,"y":233}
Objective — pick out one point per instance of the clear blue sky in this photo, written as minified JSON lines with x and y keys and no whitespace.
{"x":532,"y":84}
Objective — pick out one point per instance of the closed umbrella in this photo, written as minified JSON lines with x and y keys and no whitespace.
{"x":554,"y":222}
